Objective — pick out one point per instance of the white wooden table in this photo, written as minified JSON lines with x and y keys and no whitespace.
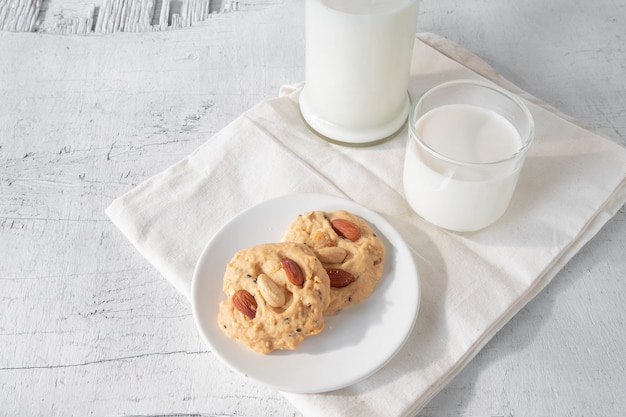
{"x":88,"y":327}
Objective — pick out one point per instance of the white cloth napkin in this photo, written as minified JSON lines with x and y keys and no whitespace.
{"x":572,"y":183}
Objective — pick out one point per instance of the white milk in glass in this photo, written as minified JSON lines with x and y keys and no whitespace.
{"x":474,"y":191}
{"x":358,"y":55}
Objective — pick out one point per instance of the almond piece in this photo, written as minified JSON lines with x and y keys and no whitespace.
{"x":320,"y":239}
{"x":270,"y":291}
{"x":293,"y":271}
{"x":245,"y":302}
{"x":339,"y":278}
{"x":345,"y":228}
{"x":331,"y":255}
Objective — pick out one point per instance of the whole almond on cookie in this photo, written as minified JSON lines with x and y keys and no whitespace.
{"x":347,"y":229}
{"x":293,"y":271}
{"x":270,"y":291}
{"x":339,"y":278}
{"x":245,"y":302}
{"x":331,"y":255}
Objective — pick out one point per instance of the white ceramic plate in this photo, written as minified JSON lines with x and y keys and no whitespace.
{"x":355,"y":343}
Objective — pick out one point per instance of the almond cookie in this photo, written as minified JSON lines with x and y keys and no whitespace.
{"x":276,"y":296}
{"x":349,"y":250}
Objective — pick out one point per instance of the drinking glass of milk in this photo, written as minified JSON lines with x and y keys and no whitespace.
{"x":357,"y":63}
{"x":467,"y":144}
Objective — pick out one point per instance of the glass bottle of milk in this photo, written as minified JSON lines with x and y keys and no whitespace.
{"x":358,"y":55}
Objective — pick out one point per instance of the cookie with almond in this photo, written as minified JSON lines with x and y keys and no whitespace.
{"x":349,"y":249}
{"x":277,"y":294}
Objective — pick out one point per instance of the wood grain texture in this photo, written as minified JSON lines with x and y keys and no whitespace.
{"x":88,"y":327}
{"x":84,"y":17}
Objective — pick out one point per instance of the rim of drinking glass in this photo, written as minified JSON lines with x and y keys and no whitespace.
{"x":526,"y":140}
